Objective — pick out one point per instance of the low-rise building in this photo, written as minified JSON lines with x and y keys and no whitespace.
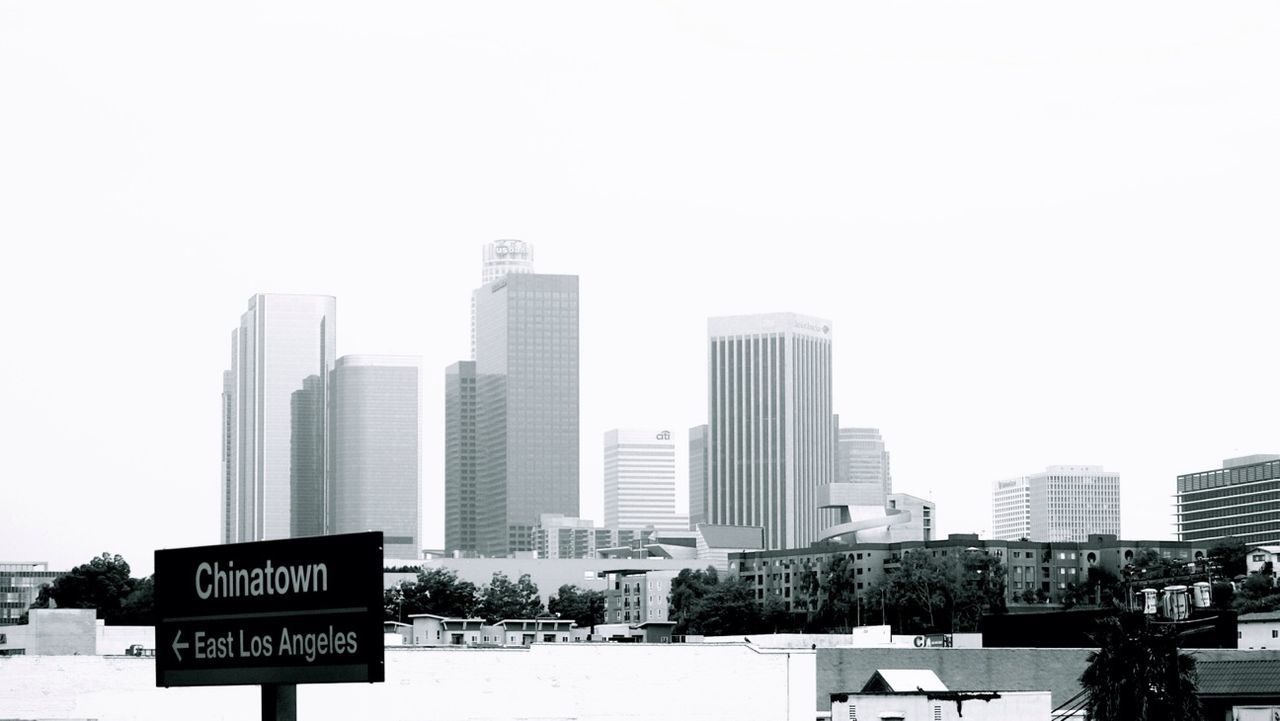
{"x":1037,"y":572}
{"x":432,"y":630}
{"x":1258,"y":630}
{"x":639,"y":596}
{"x":1263,"y":559}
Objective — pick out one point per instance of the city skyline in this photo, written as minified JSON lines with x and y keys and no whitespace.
{"x":1004,"y":209}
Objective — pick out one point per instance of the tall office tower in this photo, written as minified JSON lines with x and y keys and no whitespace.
{"x":1241,"y":499}
{"x":1063,"y":503}
{"x":1011,"y":509}
{"x":275,"y":465}
{"x":230,"y":511}
{"x":697,"y":475}
{"x":501,"y":257}
{"x":462,"y":460}
{"x":375,"y":460}
{"x":863,"y":461}
{"x":771,"y":439}
{"x":527,"y":413}
{"x":640,"y":480}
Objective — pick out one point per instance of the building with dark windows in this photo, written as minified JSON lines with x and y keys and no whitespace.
{"x":375,"y":460}
{"x":697,"y":475}
{"x":275,"y":418}
{"x":770,"y":435}
{"x":527,"y":410}
{"x":1241,"y":499}
{"x":461,"y":460}
{"x":1037,"y":572}
{"x":20,"y":584}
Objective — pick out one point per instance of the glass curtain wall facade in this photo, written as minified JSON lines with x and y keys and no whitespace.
{"x":1242,"y":499}
{"x":527,"y":410}
{"x":697,"y":475}
{"x":501,"y":257}
{"x":275,"y":418}
{"x":771,"y":435}
{"x":375,"y":458}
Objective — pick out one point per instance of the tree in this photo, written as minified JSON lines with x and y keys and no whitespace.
{"x":501,"y":599}
{"x":104,"y":584}
{"x":702,"y":603}
{"x":585,"y":607}
{"x":1230,"y":556}
{"x":1258,"y":594}
{"x":949,"y":593}
{"x":1138,"y":673}
{"x":1101,"y":588}
{"x":689,"y":590}
{"x":436,"y":591}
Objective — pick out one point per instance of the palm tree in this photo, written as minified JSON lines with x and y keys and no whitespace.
{"x":1138,"y":673}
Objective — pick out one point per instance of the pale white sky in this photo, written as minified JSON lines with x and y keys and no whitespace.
{"x":1046,"y":234}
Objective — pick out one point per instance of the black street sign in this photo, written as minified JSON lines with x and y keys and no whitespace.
{"x":303,"y":610}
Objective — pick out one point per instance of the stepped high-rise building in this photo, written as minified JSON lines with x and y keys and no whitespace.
{"x":863,"y":462}
{"x":1062,"y":503}
{"x":275,"y":418}
{"x":771,"y":436}
{"x":375,"y":460}
{"x":640,"y":480}
{"x":697,"y":475}
{"x":525,"y":407}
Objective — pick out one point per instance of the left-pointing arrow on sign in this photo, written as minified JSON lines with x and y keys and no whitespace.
{"x":177,"y":645}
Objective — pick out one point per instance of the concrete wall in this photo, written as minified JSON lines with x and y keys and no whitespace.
{"x":609,"y":682}
{"x":1057,"y":670}
{"x":62,"y":631}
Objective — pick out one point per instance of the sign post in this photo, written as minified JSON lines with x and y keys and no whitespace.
{"x":275,"y":613}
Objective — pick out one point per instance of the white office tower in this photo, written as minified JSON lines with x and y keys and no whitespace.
{"x":640,"y":480}
{"x":275,"y":417}
{"x":501,"y":257}
{"x":863,"y":462}
{"x":1011,"y":509}
{"x":1062,"y":503}
{"x":771,"y":438}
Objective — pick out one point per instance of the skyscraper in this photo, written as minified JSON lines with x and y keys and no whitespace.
{"x":1062,"y":503}
{"x":771,"y":440}
{"x":275,"y":418}
{"x":527,"y":412}
{"x":375,"y":458}
{"x":500,"y":258}
{"x":697,"y":475}
{"x":863,"y":461}
{"x":640,"y":480}
{"x":462,"y":459}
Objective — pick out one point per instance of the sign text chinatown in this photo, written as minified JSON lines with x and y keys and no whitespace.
{"x":303,"y":610}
